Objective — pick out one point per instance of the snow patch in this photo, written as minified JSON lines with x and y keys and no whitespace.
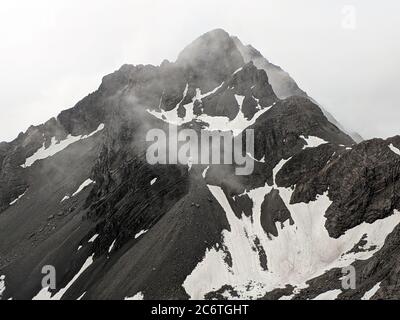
{"x":81,"y":296}
{"x":312,"y":141}
{"x":2,"y":284}
{"x":329,"y":295}
{"x":86,"y":265}
{"x":64,"y":199}
{"x":210,"y":274}
{"x":251,"y":157}
{"x":394,"y":149}
{"x":153,"y":181}
{"x":45,"y":294}
{"x":237,"y":125}
{"x":92,"y":239}
{"x":112,"y":246}
{"x":300,"y":252}
{"x":286,"y":297}
{"x":370,"y":293}
{"x":205,"y":172}
{"x":137,"y":235}
{"x":239,"y":100}
{"x":19,"y":197}
{"x":278,"y":168}
{"x":80,"y":188}
{"x":236,"y":71}
{"x":83,"y":186}
{"x":56,"y":146}
{"x":137,"y":296}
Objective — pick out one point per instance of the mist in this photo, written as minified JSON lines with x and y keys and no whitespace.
{"x":54,"y":53}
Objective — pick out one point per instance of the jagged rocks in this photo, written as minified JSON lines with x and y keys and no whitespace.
{"x":273,"y":210}
{"x":150,"y":238}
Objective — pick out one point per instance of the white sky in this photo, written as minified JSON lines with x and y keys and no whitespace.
{"x":55,"y":52}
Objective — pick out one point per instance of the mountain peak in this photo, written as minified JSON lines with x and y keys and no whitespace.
{"x":212,"y":54}
{"x":212,"y":41}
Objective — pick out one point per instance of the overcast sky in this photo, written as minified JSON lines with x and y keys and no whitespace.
{"x":55,"y":52}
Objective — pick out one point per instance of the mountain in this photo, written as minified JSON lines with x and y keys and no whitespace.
{"x":78,"y":193}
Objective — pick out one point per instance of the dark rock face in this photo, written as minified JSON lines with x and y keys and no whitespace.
{"x":147,"y":228}
{"x":219,"y":293}
{"x":369,"y":192}
{"x":273,"y":210}
{"x":359,"y":246}
{"x":248,"y":82}
{"x":366,"y":189}
{"x":224,"y":104}
{"x":278,"y":293}
{"x":308,"y":162}
{"x":278,"y":136}
{"x":241,"y":204}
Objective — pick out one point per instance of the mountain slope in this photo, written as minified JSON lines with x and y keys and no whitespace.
{"x":77,"y":193}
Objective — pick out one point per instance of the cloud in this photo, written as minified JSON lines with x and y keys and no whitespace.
{"x":53,"y":53}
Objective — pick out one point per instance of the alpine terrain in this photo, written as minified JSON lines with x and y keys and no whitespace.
{"x":78,"y":194}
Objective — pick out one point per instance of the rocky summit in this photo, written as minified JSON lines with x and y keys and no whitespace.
{"x":78,"y":195}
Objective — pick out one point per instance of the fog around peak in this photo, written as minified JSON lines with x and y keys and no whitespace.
{"x":55,"y":53}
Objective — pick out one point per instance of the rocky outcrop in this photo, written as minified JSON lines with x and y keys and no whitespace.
{"x":273,"y":210}
{"x":146,"y":228}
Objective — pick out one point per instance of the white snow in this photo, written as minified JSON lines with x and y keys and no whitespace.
{"x":286,"y":297}
{"x":394,"y":149}
{"x":277,"y":168}
{"x":211,"y":92}
{"x":56,"y":146}
{"x":19,"y":197}
{"x":239,"y":100}
{"x":137,"y":235}
{"x":210,"y":274}
{"x":92,"y":239}
{"x":252,"y":157}
{"x":2,"y":284}
{"x":313,"y":141}
{"x":300,"y":252}
{"x":79,"y":248}
{"x":171,"y":116}
{"x":370,"y":293}
{"x":137,"y":296}
{"x":329,"y":295}
{"x":81,"y":296}
{"x":65,"y":198}
{"x":153,"y":181}
{"x":112,"y":246}
{"x":237,"y":125}
{"x":205,"y":172}
{"x":85,"y":183}
{"x":237,"y":70}
{"x":86,"y":265}
{"x":44,"y":294}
